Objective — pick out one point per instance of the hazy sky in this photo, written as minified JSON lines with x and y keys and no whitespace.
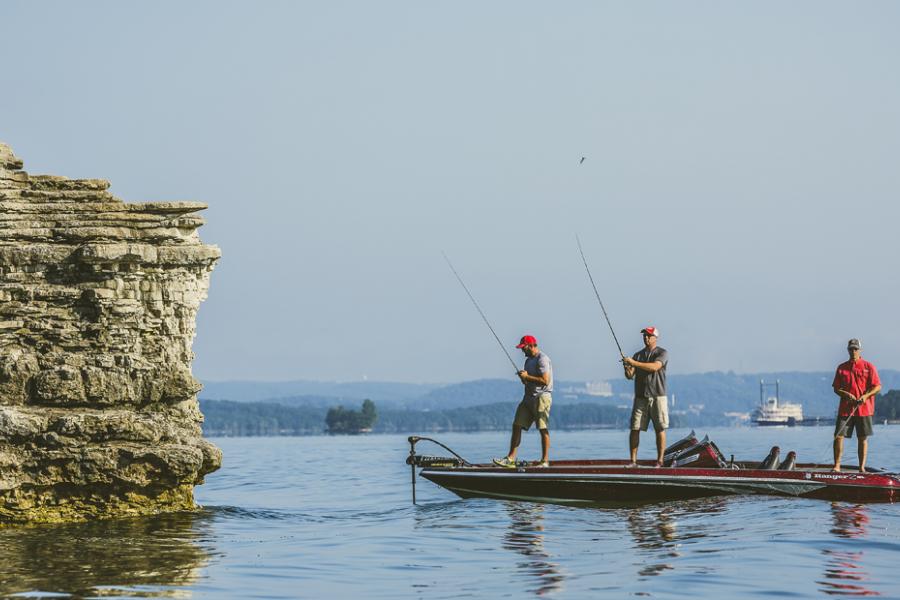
{"x":740,"y":188}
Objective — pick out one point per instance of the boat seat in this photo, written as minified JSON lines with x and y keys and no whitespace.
{"x":771,"y":461}
{"x":789,"y":462}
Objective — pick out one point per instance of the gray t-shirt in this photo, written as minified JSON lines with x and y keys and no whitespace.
{"x":648,"y":385}
{"x":536,"y":367}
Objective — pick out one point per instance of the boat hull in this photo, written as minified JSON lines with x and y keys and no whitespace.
{"x":587,"y":484}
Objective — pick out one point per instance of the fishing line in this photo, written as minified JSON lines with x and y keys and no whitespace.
{"x":481,"y":312}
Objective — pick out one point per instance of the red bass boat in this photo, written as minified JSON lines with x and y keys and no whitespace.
{"x":692,"y":469}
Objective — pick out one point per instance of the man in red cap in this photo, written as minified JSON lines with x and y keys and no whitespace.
{"x":648,"y":369}
{"x":537,"y":377}
{"x":855,"y":382}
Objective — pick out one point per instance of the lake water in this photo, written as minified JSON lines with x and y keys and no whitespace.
{"x":316,"y":517}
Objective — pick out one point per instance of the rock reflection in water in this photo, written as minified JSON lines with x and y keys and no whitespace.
{"x":526,"y":536}
{"x":657,"y":535}
{"x":105,"y":558}
{"x":844,"y":574}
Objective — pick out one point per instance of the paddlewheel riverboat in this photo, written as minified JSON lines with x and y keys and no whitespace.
{"x":692,"y":468}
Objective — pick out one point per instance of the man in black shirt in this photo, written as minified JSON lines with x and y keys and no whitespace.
{"x":648,"y":369}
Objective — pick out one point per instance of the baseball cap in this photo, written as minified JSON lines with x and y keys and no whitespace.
{"x":527,"y":340}
{"x":854,"y":343}
{"x":651,"y":331}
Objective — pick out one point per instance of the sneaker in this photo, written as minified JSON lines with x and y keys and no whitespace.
{"x":505,"y":462}
{"x":545,"y":464}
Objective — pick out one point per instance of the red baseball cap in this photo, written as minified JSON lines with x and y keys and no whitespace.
{"x":651,"y":331}
{"x":527,"y":340}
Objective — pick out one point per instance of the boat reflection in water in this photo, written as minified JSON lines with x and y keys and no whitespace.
{"x":844,"y":574}
{"x":526,"y":537}
{"x":660,"y":530}
{"x":654,"y":534}
{"x":157,"y":555}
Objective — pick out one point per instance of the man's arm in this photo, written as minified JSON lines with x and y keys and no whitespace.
{"x":874,"y":384}
{"x":845,"y":394}
{"x":869,"y":393}
{"x":650,"y":367}
{"x":543,"y":378}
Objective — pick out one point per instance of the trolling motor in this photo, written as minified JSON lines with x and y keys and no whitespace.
{"x":420,"y":460}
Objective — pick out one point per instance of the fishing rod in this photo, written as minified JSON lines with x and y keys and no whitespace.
{"x":586,"y":268}
{"x":840,"y":430}
{"x":481,"y":312}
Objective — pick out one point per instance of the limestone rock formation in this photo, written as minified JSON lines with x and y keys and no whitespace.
{"x":98,"y":299}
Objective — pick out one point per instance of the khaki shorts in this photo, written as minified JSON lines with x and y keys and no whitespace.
{"x":534,"y":410}
{"x":647,"y":409}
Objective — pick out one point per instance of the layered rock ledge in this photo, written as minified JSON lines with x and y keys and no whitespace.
{"x":98,"y":299}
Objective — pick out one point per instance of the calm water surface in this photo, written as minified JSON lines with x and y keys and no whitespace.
{"x":317,"y":517}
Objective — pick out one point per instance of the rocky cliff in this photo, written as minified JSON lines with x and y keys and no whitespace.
{"x":98,"y":299}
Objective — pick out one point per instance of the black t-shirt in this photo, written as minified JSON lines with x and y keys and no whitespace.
{"x":650,"y":384}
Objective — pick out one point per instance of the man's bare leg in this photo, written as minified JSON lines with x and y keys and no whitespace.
{"x":838,"y":451}
{"x":545,"y":445}
{"x":514,"y":441}
{"x":660,"y":446}
{"x":634,"y":439}
{"x":862,"y":446}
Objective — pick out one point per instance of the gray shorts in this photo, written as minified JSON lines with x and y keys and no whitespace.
{"x":647,"y":409}
{"x":862,"y":425}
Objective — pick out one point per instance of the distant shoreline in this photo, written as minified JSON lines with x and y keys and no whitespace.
{"x":711,"y":400}
{"x":217,"y":434}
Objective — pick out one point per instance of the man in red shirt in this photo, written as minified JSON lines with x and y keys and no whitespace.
{"x":856,"y":383}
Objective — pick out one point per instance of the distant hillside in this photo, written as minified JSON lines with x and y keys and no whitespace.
{"x":716,"y":392}
{"x":470,"y":393}
{"x":726,"y":392}
{"x":254,"y":391}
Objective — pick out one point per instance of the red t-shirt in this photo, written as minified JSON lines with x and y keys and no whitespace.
{"x":856,"y":377}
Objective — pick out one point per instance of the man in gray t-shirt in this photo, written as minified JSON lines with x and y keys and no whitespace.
{"x":536,"y":366}
{"x":537,"y":377}
{"x":648,"y":369}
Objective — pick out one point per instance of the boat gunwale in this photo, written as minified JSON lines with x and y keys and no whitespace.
{"x":818,"y":475}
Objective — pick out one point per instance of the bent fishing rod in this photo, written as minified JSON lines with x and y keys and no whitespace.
{"x":596,"y":293}
{"x":840,"y":430}
{"x":481,"y":312}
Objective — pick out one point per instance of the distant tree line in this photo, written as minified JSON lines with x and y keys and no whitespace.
{"x":226,"y":418}
{"x":498,"y":416}
{"x":887,"y":407}
{"x":342,"y":420}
